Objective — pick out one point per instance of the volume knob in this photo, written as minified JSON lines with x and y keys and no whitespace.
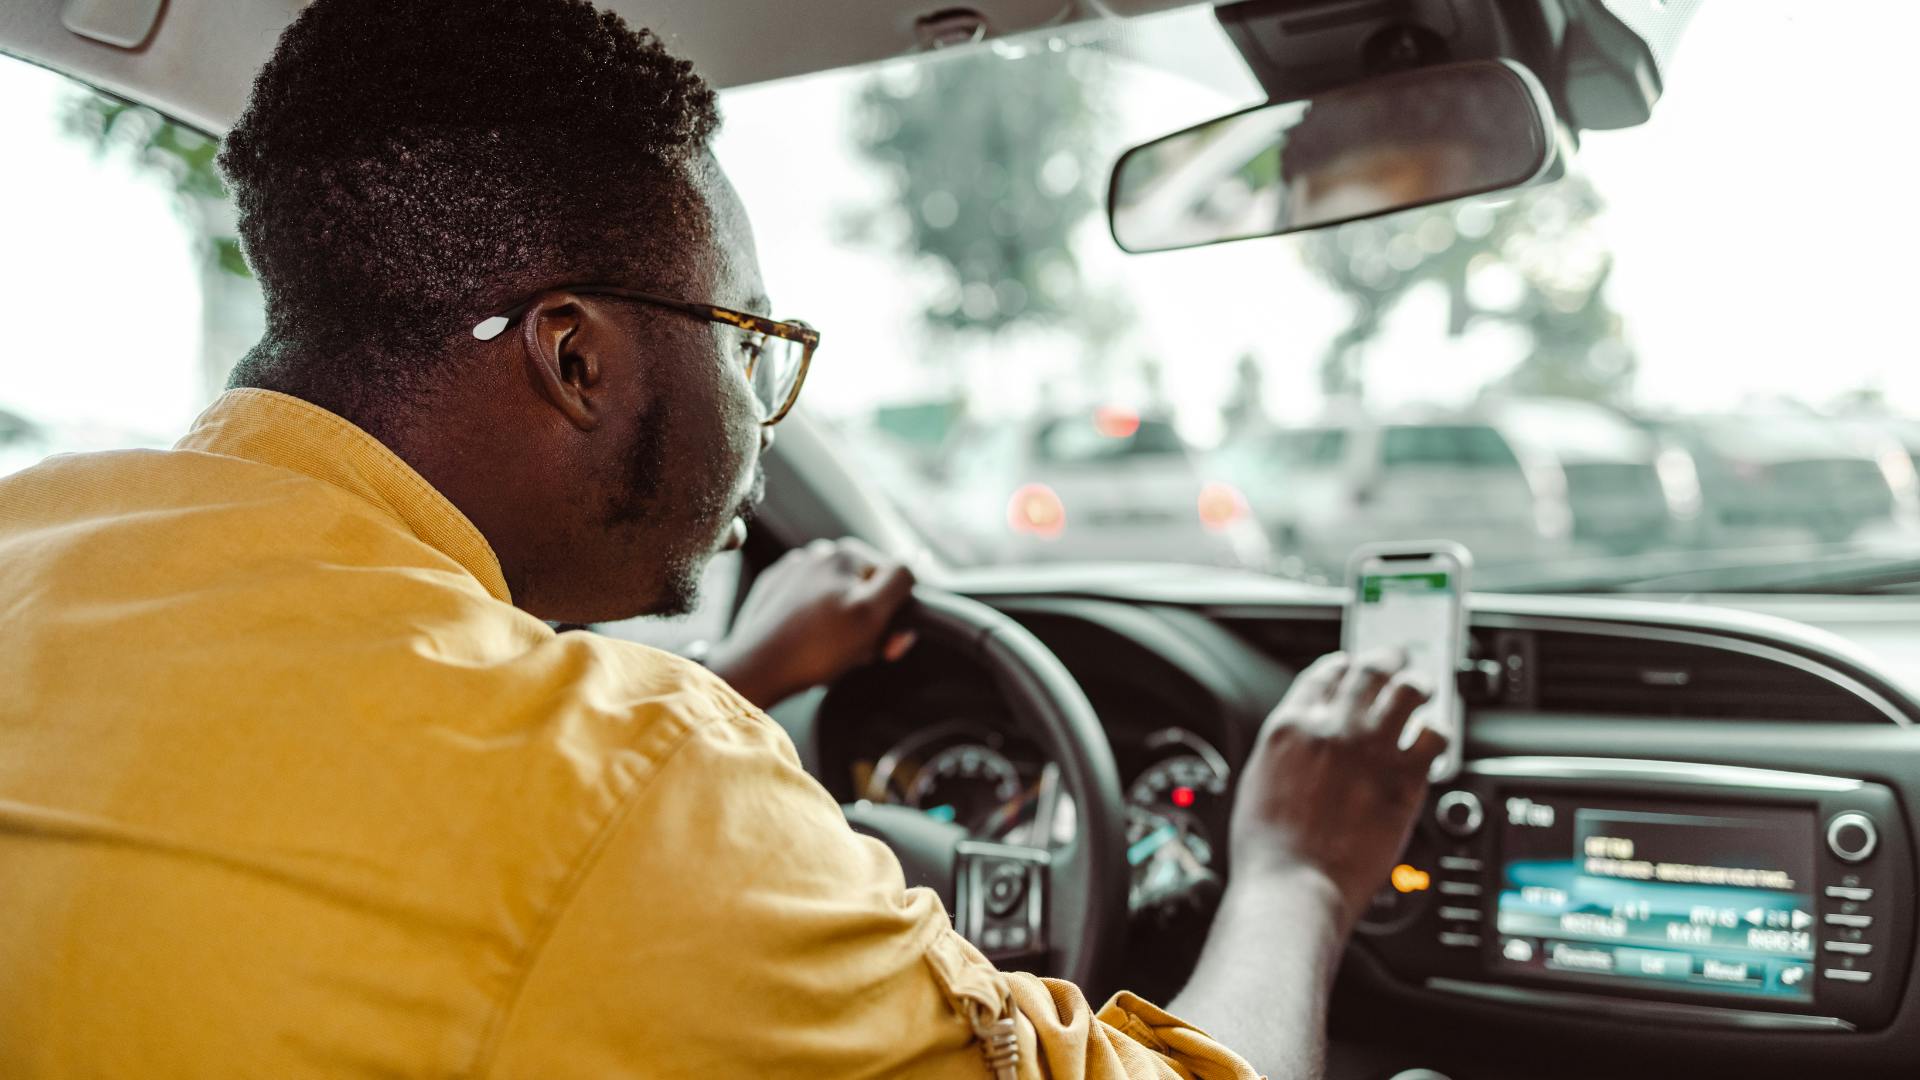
{"x":1459,"y":813}
{"x":1852,"y":837}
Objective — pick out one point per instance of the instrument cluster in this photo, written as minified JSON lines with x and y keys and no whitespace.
{"x":1001,"y":788}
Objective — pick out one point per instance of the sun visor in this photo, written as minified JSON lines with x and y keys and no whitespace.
{"x":124,"y":24}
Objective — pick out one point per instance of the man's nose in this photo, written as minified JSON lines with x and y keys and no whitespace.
{"x":766,"y":438}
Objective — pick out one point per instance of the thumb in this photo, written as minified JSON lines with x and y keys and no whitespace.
{"x":898,"y":645}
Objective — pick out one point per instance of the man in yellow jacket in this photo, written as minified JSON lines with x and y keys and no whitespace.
{"x":296,"y":779}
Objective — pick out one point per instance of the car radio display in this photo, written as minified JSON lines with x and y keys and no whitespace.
{"x":1662,"y":896}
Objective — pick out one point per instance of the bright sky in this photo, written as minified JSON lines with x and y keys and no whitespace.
{"x":1760,"y":227}
{"x":98,"y":274}
{"x":1761,"y":231}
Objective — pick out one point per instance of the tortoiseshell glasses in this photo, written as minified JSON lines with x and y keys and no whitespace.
{"x":776,"y":354}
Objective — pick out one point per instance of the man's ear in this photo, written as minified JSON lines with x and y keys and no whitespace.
{"x":561,"y":363}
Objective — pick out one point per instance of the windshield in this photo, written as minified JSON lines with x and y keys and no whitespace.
{"x":1685,"y":366}
{"x":1688,"y":355}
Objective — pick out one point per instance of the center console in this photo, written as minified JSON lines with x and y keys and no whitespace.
{"x":1658,"y":892}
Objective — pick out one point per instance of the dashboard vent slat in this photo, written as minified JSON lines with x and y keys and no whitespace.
{"x":1647,"y":677}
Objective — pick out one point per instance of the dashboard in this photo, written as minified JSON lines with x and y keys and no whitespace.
{"x":1682,"y":843}
{"x":976,"y":773}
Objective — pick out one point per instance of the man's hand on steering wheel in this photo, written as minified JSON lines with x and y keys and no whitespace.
{"x":817,"y":613}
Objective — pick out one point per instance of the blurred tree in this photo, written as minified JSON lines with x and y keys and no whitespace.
{"x":1869,"y":398}
{"x":176,"y":153}
{"x":991,"y":160}
{"x":183,"y":159}
{"x":1533,"y":260}
{"x":1244,"y":412}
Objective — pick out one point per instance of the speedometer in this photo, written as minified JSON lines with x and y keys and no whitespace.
{"x":965,"y":784}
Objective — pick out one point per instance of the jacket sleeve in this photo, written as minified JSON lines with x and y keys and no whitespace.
{"x":731,"y":924}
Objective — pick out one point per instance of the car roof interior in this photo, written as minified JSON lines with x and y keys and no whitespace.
{"x":195,"y":59}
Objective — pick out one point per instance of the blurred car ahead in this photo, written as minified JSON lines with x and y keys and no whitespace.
{"x":1904,"y":433}
{"x":1325,"y":489}
{"x":1097,"y":485}
{"x":1791,"y":477}
{"x":1626,"y":492}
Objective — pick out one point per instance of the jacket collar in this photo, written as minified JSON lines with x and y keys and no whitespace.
{"x":285,"y":431}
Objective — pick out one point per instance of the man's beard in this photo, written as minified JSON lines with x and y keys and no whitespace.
{"x":749,"y":507}
{"x":631,"y":503}
{"x":635,"y":506}
{"x":685,"y":571}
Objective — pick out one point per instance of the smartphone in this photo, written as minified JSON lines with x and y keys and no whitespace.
{"x":1413,"y":597}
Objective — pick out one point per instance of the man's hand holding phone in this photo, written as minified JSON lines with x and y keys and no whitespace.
{"x":1325,"y":805}
{"x":1328,"y":789}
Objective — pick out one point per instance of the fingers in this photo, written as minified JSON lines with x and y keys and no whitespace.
{"x":887,"y":587}
{"x":881,"y":588}
{"x":881,"y":596}
{"x":860,"y":561}
{"x":1365,"y":679}
{"x":1427,"y":746}
{"x":872,"y":588}
{"x":860,"y":557}
{"x":1318,"y":682}
{"x":1395,"y":706}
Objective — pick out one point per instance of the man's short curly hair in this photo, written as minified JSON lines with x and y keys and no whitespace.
{"x":404,"y":166}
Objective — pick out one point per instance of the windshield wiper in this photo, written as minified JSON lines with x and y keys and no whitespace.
{"x":1886,"y":575}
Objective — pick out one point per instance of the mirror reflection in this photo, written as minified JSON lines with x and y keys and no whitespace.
{"x":1389,"y":144}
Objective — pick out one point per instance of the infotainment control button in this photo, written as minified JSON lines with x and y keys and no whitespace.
{"x":1852,"y":837}
{"x":1459,"y":813}
{"x":1857,"y":922}
{"x":1847,"y":975}
{"x":1851,"y":948}
{"x":1726,"y":971}
{"x":1847,"y":892}
{"x":1459,"y":862}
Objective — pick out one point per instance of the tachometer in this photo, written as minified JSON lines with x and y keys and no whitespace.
{"x":1175,"y":809}
{"x":1178,"y":783}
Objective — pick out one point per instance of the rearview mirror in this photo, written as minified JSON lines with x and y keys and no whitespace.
{"x":1392,"y":143}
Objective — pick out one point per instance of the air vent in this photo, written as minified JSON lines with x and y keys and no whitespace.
{"x":1638,"y":676}
{"x":1296,"y":644}
{"x":1293,"y":644}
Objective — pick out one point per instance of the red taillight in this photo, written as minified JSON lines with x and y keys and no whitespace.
{"x":1221,"y":505}
{"x":1115,"y":422}
{"x":1035,"y":509}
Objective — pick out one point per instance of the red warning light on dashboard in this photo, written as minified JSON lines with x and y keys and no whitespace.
{"x":1407,"y":879}
{"x":1183,"y":797}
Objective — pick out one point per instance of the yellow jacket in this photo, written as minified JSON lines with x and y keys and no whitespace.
{"x":288,"y":788}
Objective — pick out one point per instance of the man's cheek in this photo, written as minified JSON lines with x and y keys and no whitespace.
{"x":734,"y":434}
{"x":744,"y":424}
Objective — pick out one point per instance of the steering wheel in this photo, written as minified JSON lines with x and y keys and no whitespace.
{"x":1059,"y":911}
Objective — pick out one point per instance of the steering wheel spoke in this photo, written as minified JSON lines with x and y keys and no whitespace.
{"x":1001,"y":898}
